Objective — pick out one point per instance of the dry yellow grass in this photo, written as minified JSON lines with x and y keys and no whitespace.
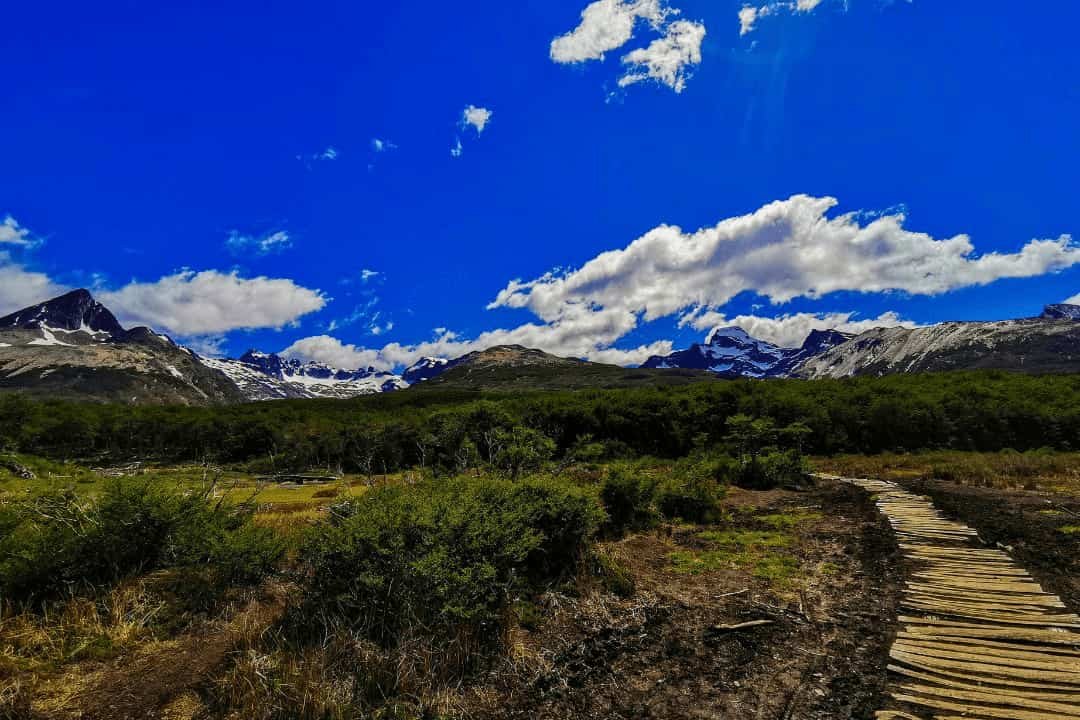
{"x":1055,"y":472}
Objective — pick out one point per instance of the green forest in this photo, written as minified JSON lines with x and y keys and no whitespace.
{"x":448,"y":430}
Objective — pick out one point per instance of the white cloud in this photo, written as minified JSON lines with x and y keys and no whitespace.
{"x":457,"y":149}
{"x":212,"y":346}
{"x":11,"y":233}
{"x":590,"y":338}
{"x":267,"y":244}
{"x":380,"y":146}
{"x":749,"y":14}
{"x":606,"y":25}
{"x":786,"y":249}
{"x":330,"y":153}
{"x":366,"y":274}
{"x":330,"y":350}
{"x":1074,"y":300}
{"x":20,"y":287}
{"x":666,"y":59}
{"x":790,"y":330}
{"x":211,"y":302}
{"x":477,"y":117}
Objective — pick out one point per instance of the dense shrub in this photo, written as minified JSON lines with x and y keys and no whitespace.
{"x":772,"y":469}
{"x":60,"y":543}
{"x":520,"y":450}
{"x":445,"y":557}
{"x":695,"y":487}
{"x":627,"y":496}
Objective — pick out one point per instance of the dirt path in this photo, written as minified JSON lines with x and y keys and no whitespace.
{"x":978,"y":637}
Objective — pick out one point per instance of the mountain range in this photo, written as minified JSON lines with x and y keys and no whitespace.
{"x":73,"y":347}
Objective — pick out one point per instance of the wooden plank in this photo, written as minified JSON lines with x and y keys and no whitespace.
{"x":990,"y":698}
{"x":1004,"y":682}
{"x":1012,"y":692}
{"x":983,"y":642}
{"x":1048,"y":665}
{"x":974,"y":710}
{"x":991,"y":651}
{"x":1048,"y":601}
{"x":942,"y":628}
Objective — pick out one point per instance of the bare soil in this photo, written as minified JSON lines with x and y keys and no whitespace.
{"x":664,"y":652}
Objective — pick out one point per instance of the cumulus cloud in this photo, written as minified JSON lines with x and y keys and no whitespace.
{"x":21,"y":287}
{"x":12,"y":233}
{"x":790,"y":330}
{"x":333,"y":352}
{"x":590,"y":339}
{"x":787,"y":249}
{"x":267,"y":244}
{"x":749,"y":14}
{"x":667,"y":58}
{"x":477,"y":117}
{"x":608,"y":25}
{"x":210,"y":302}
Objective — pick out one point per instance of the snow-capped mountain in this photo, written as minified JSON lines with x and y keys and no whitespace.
{"x":267,"y":376}
{"x":732,"y":352}
{"x":76,"y":311}
{"x":425,"y":368}
{"x":73,"y":347}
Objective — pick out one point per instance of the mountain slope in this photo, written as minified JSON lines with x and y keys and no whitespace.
{"x":1037,"y":345}
{"x":513,"y":367}
{"x":73,"y":347}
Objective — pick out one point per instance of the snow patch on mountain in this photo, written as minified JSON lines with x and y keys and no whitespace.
{"x":267,"y":376}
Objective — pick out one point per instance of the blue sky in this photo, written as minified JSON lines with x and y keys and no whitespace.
{"x":285,"y":175}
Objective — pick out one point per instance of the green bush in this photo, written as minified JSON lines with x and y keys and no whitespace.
{"x":628,"y":500}
{"x":695,"y":488}
{"x":59,"y":544}
{"x":444,"y":557}
{"x":521,"y":450}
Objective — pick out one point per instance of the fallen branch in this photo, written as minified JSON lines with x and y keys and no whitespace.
{"x":742,"y":626}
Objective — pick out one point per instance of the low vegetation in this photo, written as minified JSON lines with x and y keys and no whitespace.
{"x":387,"y":557}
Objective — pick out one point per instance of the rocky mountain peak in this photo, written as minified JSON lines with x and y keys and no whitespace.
{"x":1061,"y":311}
{"x":818,"y":341}
{"x":76,"y":310}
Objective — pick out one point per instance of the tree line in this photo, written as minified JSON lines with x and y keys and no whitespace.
{"x":450,"y":430}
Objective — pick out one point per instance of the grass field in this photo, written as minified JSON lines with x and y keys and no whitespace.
{"x":1041,"y":471}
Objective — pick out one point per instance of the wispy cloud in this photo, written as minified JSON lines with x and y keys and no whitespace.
{"x":456,"y":149}
{"x":266,"y":244}
{"x":12,"y":233}
{"x":380,"y":145}
{"x":310,"y":159}
{"x":750,"y":14}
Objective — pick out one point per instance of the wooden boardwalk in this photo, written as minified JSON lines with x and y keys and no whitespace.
{"x":978,"y":636}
